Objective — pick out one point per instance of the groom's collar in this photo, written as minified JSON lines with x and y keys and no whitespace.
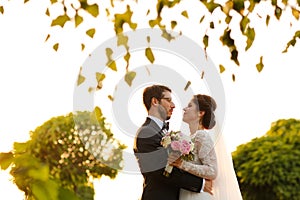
{"x":157,"y":121}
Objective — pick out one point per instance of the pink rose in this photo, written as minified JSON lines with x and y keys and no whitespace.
{"x":175,"y":145}
{"x":185,"y":147}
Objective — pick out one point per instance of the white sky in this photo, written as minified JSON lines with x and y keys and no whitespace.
{"x":37,"y":83}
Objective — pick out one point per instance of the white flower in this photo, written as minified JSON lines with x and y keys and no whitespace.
{"x":166,"y":141}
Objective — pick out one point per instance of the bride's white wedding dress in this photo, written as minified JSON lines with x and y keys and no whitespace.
{"x":203,"y":165}
{"x":211,"y":161}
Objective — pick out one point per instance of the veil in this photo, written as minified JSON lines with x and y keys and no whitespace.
{"x":225,"y":186}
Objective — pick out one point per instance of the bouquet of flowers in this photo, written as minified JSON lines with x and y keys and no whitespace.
{"x":177,"y":142}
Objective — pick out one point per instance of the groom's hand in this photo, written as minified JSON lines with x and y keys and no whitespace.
{"x":208,"y":186}
{"x":174,"y":159}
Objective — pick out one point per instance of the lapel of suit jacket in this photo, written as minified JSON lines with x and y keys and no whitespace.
{"x":151,"y":123}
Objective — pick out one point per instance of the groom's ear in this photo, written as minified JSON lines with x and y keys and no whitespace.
{"x":154,"y":101}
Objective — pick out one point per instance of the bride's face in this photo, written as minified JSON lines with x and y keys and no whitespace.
{"x":191,"y":113}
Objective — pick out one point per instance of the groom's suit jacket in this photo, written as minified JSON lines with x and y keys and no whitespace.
{"x":152,"y":159}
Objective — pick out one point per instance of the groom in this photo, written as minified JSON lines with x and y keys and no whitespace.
{"x":152,"y":157}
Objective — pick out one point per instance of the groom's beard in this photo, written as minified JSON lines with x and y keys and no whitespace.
{"x":163,"y":112}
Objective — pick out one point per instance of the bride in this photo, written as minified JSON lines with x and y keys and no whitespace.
{"x":211,"y":161}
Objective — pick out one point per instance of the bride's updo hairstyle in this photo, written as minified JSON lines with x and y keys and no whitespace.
{"x":207,"y":104}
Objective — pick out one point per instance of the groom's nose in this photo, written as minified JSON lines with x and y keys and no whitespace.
{"x":172,"y":105}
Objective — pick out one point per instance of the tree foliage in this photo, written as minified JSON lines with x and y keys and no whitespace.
{"x":269,"y":167}
{"x":210,"y":13}
{"x":63,"y":155}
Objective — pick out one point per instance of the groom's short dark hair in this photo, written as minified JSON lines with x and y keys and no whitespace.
{"x":155,"y":91}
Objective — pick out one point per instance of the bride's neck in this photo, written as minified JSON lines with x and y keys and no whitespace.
{"x":194,"y":127}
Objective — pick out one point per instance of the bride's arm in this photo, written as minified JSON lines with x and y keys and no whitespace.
{"x":208,"y":167}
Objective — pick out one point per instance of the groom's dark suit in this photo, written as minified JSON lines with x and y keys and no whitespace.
{"x":152,"y":159}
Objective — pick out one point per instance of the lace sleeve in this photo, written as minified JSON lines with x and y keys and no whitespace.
{"x":205,"y":161}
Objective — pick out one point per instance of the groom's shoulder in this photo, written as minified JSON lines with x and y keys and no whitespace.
{"x":147,"y":130}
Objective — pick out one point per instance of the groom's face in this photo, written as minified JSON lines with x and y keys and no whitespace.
{"x":167,"y":105}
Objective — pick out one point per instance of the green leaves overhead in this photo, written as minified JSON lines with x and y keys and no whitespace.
{"x":205,"y":41}
{"x":278,"y":12}
{"x":211,"y":25}
{"x":168,"y":3}
{"x":267,"y":20}
{"x":211,"y":5}
{"x":129,"y":77}
{"x":250,"y":34}
{"x":292,"y":41}
{"x":127,"y":58}
{"x":252,"y":4}
{"x":55,"y":46}
{"x":185,"y":14}
{"x":110,"y":62}
{"x":228,"y":19}
{"x":202,"y":18}
{"x":82,"y":47}
{"x":99,"y":77}
{"x":167,"y":36}
{"x":78,"y":20}
{"x":47,"y":12}
{"x":91,"y":32}
{"x":187,"y":85}
{"x":155,"y":22}
{"x":159,"y":8}
{"x":149,"y":54}
{"x":60,"y":20}
{"x":247,"y":31}
{"x":227,"y":7}
{"x":238,"y":5}
{"x":222,"y":68}
{"x":123,"y":40}
{"x":295,"y":13}
{"x":120,"y":19}
{"x":173,"y":24}
{"x":80,"y":78}
{"x":226,"y":38}
{"x":1,"y":9}
{"x":92,"y":9}
{"x":110,"y":97}
{"x":260,"y":65}
{"x":244,"y":23}
{"x":245,"y":11}
{"x":229,"y":42}
{"x":48,"y":36}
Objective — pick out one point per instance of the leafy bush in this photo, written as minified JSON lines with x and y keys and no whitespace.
{"x":269,"y":167}
{"x":62,"y":156}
